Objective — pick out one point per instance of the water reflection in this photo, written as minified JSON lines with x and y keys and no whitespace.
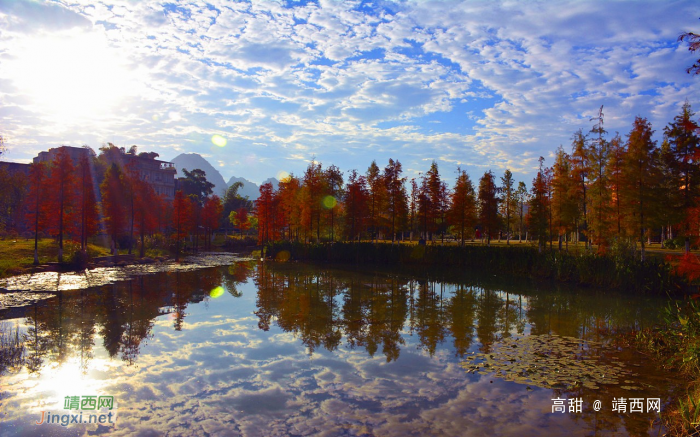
{"x":320,"y":306}
{"x":298,"y":349}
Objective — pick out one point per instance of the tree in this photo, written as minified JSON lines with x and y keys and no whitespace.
{"x":539,"y":206}
{"x":684,"y":148}
{"x":311,"y":196}
{"x":211,"y":214}
{"x":61,"y":195}
{"x":146,"y":205}
{"x":240,"y":219}
{"x":580,"y":169}
{"x":233,"y":201}
{"x":413,"y":207}
{"x":89,"y":217}
{"x":264,"y":212}
{"x":563,"y":204}
{"x":113,"y":209}
{"x":522,"y":199}
{"x":507,"y":200}
{"x":462,"y":212}
{"x":437,"y":204}
{"x":356,"y":205}
{"x":36,"y":214}
{"x":488,"y":205}
{"x":181,"y":219}
{"x":13,"y":192}
{"x":640,"y":177}
{"x":333,"y":178}
{"x":130,"y":183}
{"x":377,"y":198}
{"x":694,"y":45}
{"x":599,"y":193}
{"x":288,"y":194}
{"x":397,"y":202}
{"x":195,"y":183}
{"x":614,"y":169}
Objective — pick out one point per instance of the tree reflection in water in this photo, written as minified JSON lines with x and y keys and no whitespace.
{"x":384,"y":313}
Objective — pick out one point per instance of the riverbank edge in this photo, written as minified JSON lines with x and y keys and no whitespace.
{"x":652,"y":276}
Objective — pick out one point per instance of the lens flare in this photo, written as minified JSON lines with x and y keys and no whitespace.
{"x":283,"y":256}
{"x":219,"y":141}
{"x":329,"y":202}
{"x":283,"y":176}
{"x":217,"y":292}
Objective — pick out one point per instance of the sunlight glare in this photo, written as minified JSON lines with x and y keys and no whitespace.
{"x":70,"y":77}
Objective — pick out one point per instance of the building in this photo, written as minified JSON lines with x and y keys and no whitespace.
{"x":159,"y":174}
{"x":14,"y":168}
{"x":75,"y":153}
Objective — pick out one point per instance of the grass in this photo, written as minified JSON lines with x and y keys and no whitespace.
{"x":18,"y":254}
{"x":675,"y":345}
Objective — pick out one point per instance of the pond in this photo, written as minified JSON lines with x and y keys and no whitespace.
{"x":297,"y":349}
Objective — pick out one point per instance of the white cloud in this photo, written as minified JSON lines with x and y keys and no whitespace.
{"x":339,"y":76}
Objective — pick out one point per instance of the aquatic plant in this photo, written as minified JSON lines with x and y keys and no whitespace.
{"x":550,"y":361}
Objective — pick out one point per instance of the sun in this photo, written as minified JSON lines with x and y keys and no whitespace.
{"x":69,"y":77}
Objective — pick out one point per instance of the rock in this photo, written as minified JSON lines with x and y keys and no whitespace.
{"x":122,"y":264}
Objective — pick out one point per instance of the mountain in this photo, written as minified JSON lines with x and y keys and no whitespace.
{"x":249,"y":188}
{"x":275,"y":183}
{"x":192,"y":161}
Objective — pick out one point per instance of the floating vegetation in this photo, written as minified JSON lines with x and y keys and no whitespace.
{"x":551,"y":361}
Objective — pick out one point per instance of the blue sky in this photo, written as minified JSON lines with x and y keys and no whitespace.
{"x":477,"y":84}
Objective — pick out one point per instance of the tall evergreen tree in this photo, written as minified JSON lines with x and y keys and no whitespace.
{"x":641,"y":179}
{"x":685,"y":147}
{"x":580,"y":168}
{"x":488,"y":205}
{"x":599,"y":193}
{"x":522,"y":199}
{"x":539,"y":207}
{"x":507,"y":200}
{"x":397,"y":202}
{"x":462,"y":212}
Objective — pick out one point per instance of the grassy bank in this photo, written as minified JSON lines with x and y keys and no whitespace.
{"x":675,"y":345}
{"x":18,"y":254}
{"x":615,"y":272}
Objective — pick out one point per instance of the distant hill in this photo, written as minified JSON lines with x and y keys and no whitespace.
{"x":191,"y":161}
{"x":251,"y":189}
{"x":275,"y":182}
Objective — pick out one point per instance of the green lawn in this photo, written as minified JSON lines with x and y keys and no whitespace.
{"x":17,"y":254}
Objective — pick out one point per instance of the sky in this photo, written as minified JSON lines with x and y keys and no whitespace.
{"x":261,"y":88}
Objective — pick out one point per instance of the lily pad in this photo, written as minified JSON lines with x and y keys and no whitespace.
{"x":550,"y":361}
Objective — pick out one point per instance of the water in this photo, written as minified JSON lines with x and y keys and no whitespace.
{"x":295,"y":349}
